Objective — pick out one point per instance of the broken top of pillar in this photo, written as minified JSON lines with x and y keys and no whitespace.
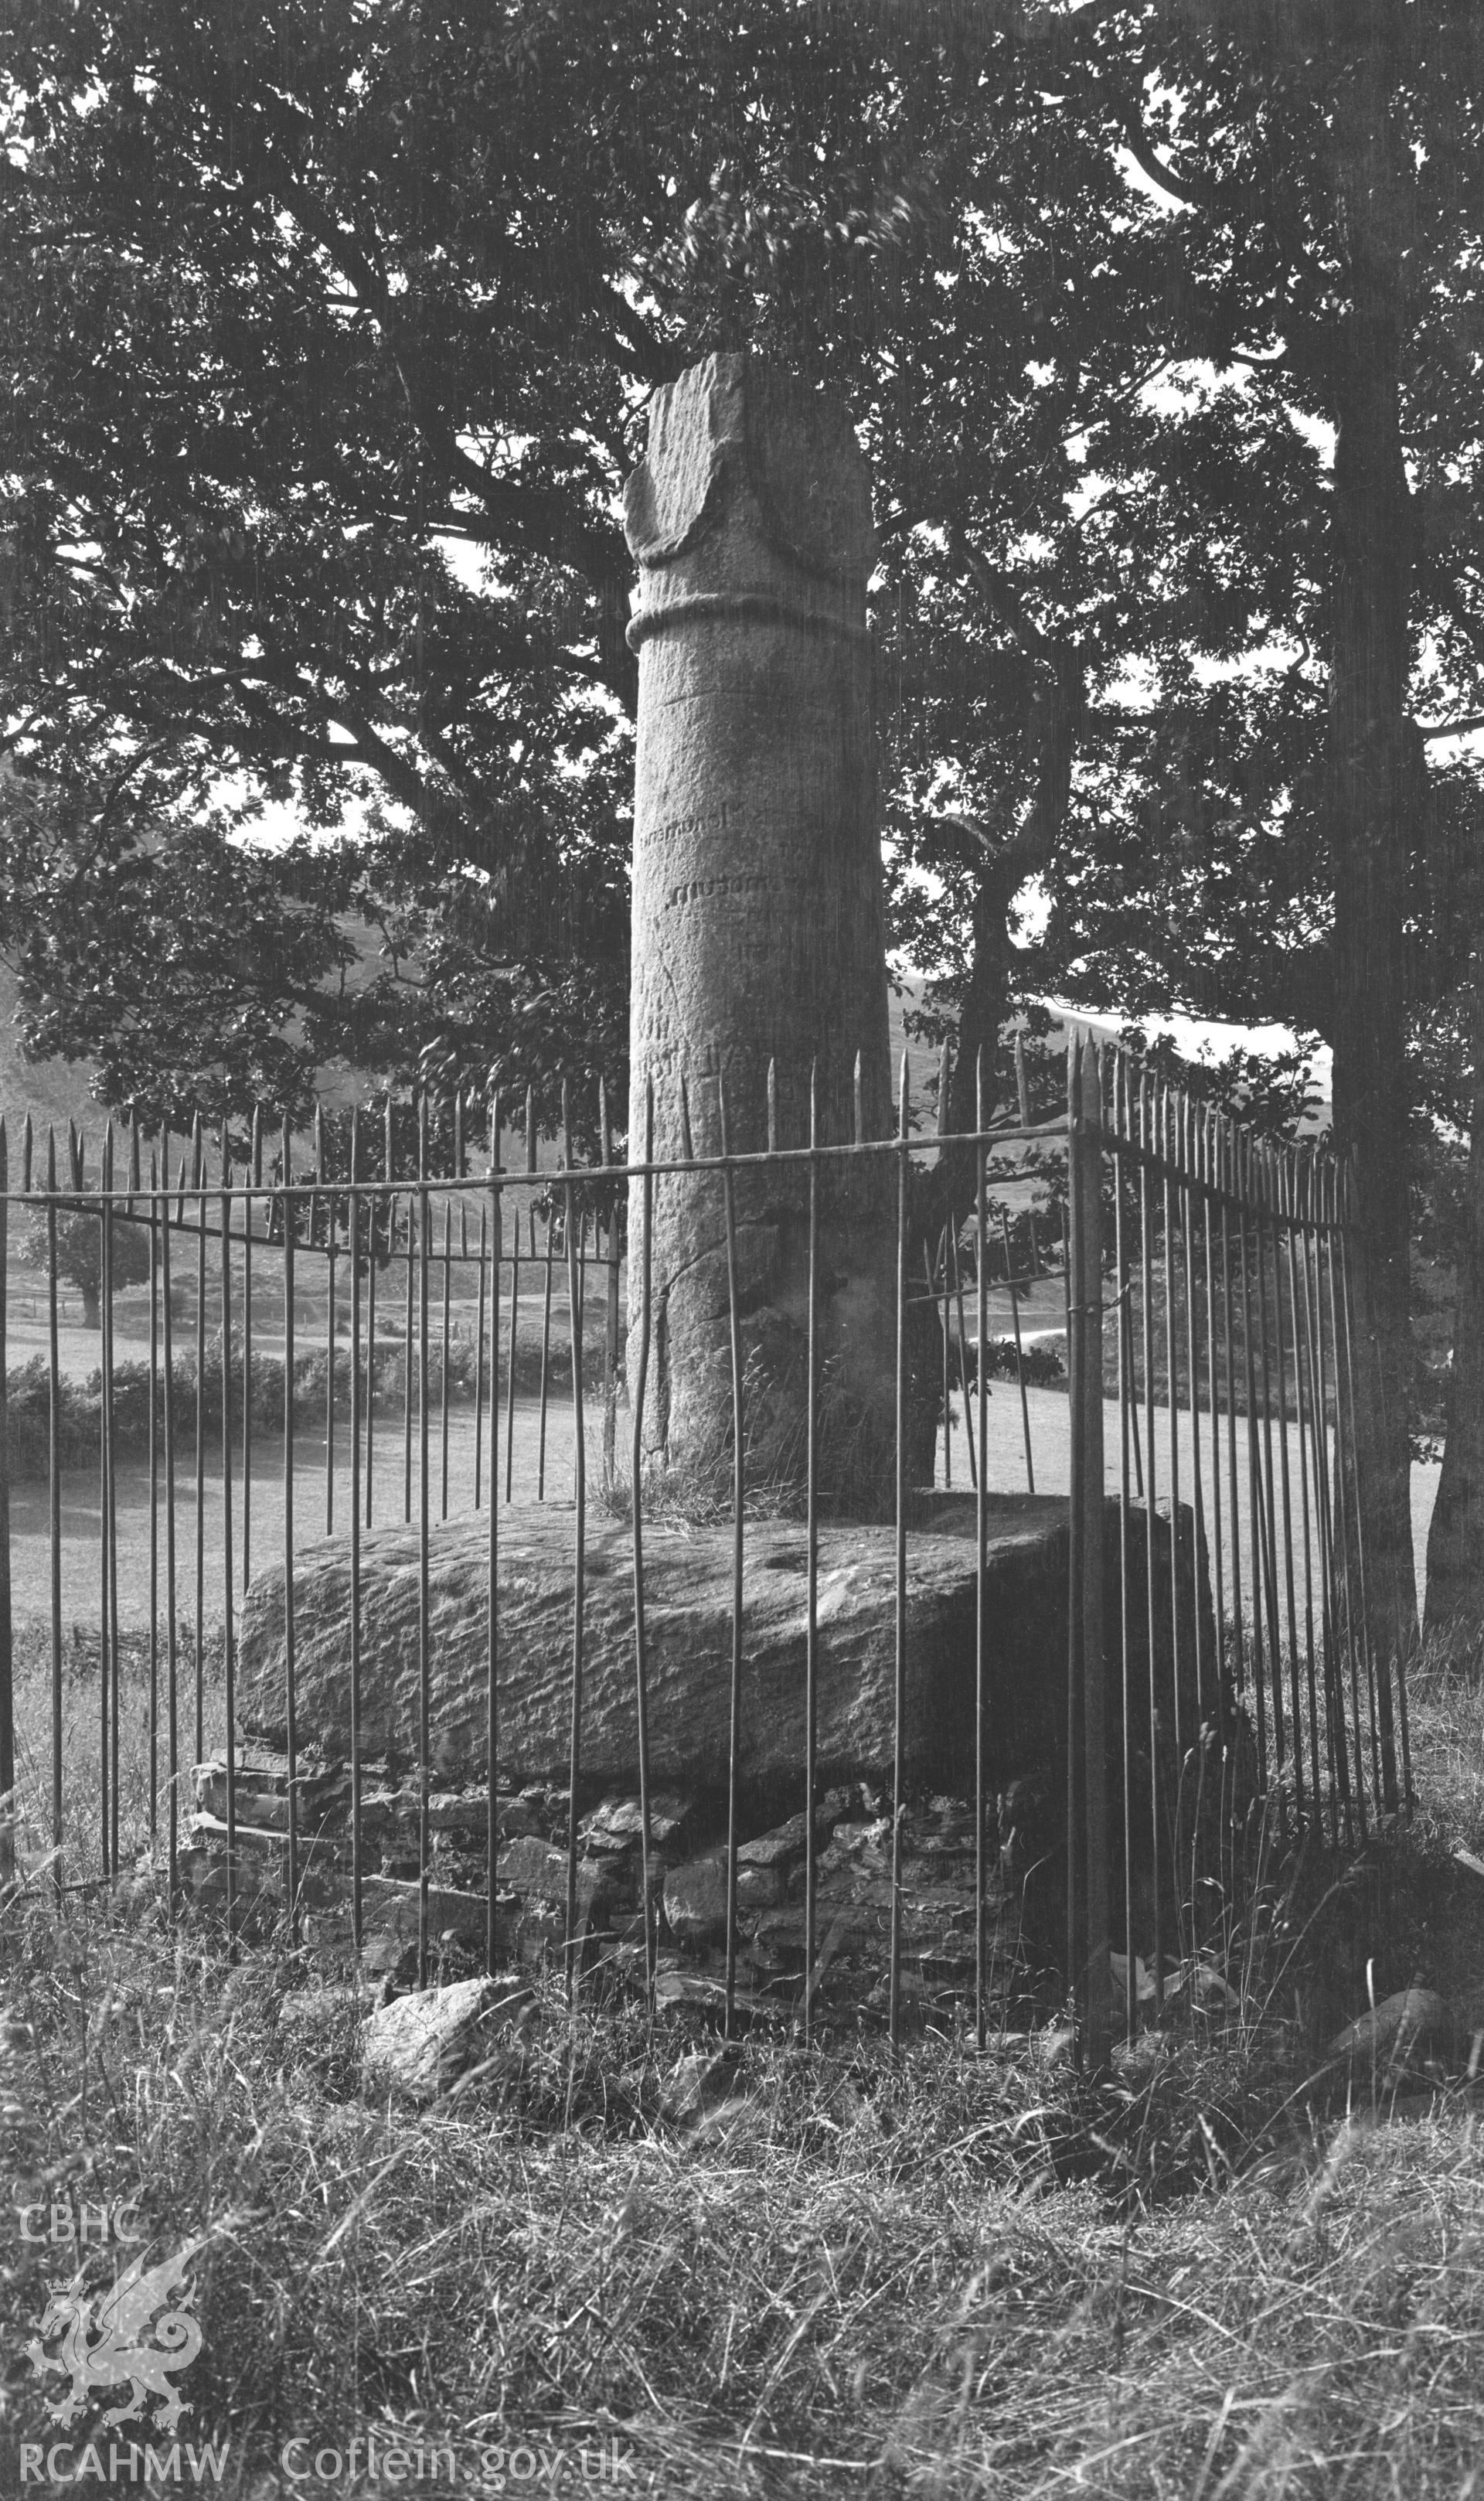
{"x":754,"y":487}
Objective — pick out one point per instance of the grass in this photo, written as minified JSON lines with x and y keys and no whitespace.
{"x":79,"y":1863}
{"x":943,"y":2275}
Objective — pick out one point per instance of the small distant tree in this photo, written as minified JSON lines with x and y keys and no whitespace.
{"x":80,"y":1254}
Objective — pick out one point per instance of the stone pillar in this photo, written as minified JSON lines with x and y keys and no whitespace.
{"x":757,"y":918}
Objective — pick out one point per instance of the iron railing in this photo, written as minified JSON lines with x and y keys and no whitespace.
{"x":1203,"y":1220}
{"x":1222,"y":1329}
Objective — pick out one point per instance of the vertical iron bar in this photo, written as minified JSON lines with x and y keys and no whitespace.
{"x":1169,"y":1116}
{"x":135,"y":1182}
{"x":947,"y":1372}
{"x":1226,"y":1861}
{"x":1187,"y":1206}
{"x":1271,"y":1180}
{"x":1333,"y":1701}
{"x":1378,"y":1671}
{"x":1186,"y":1201}
{"x":249,"y":1205}
{"x":409,"y":1342}
{"x":738,"y":1494}
{"x":1224,"y":1178}
{"x":55,"y":1508}
{"x":172,"y":1639}
{"x":610,"y":1336}
{"x":1117,"y":1131}
{"x":322,"y":1174}
{"x":1025,"y":1401}
{"x":7,"y":1645}
{"x":812,"y":1557}
{"x":1254,"y":1462}
{"x":962,"y":1355}
{"x":1138,"y":1446}
{"x":932,"y":1297}
{"x":111,"y":1522}
{"x":368,"y":1417}
{"x":228,"y":1651}
{"x":494,"y":1216}
{"x":424,"y":1627}
{"x":154,"y":1505}
{"x":1125,"y":1394}
{"x":981,"y":1551}
{"x":107,"y":1663}
{"x":1146,"y":1283}
{"x":899,"y":1728}
{"x":1269,"y":1516}
{"x":1168,"y":1113}
{"x":354,"y":1229}
{"x":1339,"y":1571}
{"x":198,"y":1186}
{"x":1076,"y":1399}
{"x":290,"y":1720}
{"x":545,"y":1354}
{"x":1088,"y":1146}
{"x":478,"y":1342}
{"x":509,"y":1387}
{"x":637,"y":1518}
{"x":1290,"y":1207}
{"x":1342,"y":1509}
{"x":946,"y":1391}
{"x":1206,"y":1168}
{"x":580,"y":1492}
{"x":445,"y":1351}
{"x":388,"y":1174}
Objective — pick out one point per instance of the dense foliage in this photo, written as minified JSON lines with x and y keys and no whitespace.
{"x":327,"y":332}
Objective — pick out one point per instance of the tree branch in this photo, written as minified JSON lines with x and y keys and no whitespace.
{"x":1006,"y":602}
{"x":1185,"y":195}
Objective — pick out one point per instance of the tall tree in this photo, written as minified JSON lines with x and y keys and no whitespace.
{"x":324,"y":359}
{"x":1315,"y":178}
{"x":327,"y":334}
{"x":296,"y":306}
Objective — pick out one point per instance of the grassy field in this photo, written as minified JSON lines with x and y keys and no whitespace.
{"x":1214,"y":2275}
{"x":759,"y":2275}
{"x":321,"y":1505}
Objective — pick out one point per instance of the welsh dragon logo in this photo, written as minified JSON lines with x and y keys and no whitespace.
{"x":107,"y":2338}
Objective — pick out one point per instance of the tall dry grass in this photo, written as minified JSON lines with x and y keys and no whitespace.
{"x":1209,"y":2277}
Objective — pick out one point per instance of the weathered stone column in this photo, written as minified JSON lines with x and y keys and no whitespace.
{"x":757,"y":917}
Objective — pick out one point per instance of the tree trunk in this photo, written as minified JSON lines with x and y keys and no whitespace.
{"x":986,"y":1000}
{"x":90,"y":1316}
{"x":1372,"y":786}
{"x":1455,"y":1602}
{"x":1056,"y":720}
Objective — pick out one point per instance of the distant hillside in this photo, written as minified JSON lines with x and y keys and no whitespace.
{"x":52,"y":1090}
{"x":1189,"y":1034}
